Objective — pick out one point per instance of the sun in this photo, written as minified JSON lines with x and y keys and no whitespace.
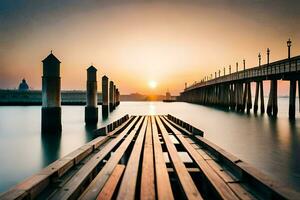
{"x":152,"y":84}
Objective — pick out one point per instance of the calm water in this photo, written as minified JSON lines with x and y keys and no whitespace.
{"x":273,"y":146}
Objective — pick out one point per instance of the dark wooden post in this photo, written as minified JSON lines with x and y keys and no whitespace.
{"x":51,"y":95}
{"x":104,"y":96}
{"x":111,"y":96}
{"x":91,"y":109}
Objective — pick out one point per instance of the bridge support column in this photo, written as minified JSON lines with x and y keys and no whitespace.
{"x":245,"y":93}
{"x":239,"y":97}
{"x":292,"y":103}
{"x":262,"y":100}
{"x":91,"y":109}
{"x":104,"y":96}
{"x":272,"y":108}
{"x":249,"y":98}
{"x":51,"y":95}
{"x":255,"y":108}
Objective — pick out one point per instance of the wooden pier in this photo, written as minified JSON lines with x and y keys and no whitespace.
{"x":149,"y":157}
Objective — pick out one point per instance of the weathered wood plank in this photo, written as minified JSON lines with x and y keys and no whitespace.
{"x":219,"y":185}
{"x":72,"y":188}
{"x":129,"y":180}
{"x":97,"y":184}
{"x":111,"y":184}
{"x":147,"y":178}
{"x":186,"y":180}
{"x":163,"y":186}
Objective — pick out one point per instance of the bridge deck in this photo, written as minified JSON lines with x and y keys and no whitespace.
{"x":149,"y":157}
{"x":281,"y":69}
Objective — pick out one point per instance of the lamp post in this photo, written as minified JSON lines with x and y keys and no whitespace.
{"x":268,"y":59}
{"x":219,"y":72}
{"x":237,"y":66}
{"x":224,"y":71}
{"x":289,"y":44}
{"x":229,"y":69}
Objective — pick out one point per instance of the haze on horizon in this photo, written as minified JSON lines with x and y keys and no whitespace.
{"x":135,"y":42}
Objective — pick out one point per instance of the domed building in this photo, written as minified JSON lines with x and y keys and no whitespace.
{"x":23,"y":86}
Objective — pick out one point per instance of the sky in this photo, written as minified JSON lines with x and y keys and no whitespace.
{"x":138,"y":42}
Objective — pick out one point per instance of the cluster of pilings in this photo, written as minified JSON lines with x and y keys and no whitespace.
{"x":233,"y":91}
{"x":51,"y":95}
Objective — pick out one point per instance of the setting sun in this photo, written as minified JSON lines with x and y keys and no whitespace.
{"x":152,"y":84}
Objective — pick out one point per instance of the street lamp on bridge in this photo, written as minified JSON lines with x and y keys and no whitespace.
{"x":237,"y":66}
{"x":219,"y":72}
{"x":268,"y":56}
{"x":289,"y":44}
{"x":224,"y":71}
{"x":229,"y":69}
{"x":259,"y":59}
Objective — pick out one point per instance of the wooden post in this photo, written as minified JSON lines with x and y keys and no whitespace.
{"x":105,"y":96}
{"x":111,"y":96}
{"x":262,"y":100}
{"x":256,"y":97}
{"x":292,"y":99}
{"x":91,"y":109}
{"x":51,"y":95}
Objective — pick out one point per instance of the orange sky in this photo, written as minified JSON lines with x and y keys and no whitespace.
{"x":170,"y":42}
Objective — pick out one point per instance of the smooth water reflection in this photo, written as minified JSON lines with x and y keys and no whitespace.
{"x":271,"y":145}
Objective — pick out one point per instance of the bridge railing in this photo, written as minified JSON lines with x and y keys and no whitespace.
{"x":280,"y":67}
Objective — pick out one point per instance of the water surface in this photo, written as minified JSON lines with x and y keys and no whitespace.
{"x":271,"y":145}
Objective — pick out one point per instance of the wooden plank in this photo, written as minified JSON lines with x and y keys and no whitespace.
{"x":184,"y":177}
{"x":111,"y":184}
{"x":147,"y":177}
{"x":240,"y":191}
{"x":220,"y":186}
{"x":163,"y":186}
{"x":71,"y":189}
{"x":220,"y":171}
{"x":97,"y":184}
{"x":129,"y":180}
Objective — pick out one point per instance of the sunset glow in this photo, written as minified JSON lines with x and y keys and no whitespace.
{"x":152,"y":84}
{"x":176,"y":42}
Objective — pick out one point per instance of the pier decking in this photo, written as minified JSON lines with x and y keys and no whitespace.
{"x":149,"y":157}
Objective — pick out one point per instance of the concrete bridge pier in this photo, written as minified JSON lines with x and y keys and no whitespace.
{"x":239,"y":97}
{"x":244,"y":97}
{"x":255,"y":108}
{"x":91,"y":109}
{"x":51,"y":95}
{"x":249,"y":98}
{"x":272,"y":108}
{"x":292,"y":104}
{"x":262,"y":99}
{"x":111,"y":96}
{"x":105,"y":96}
{"x":232,"y":97}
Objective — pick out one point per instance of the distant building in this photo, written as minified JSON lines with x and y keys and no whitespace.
{"x":168,"y":95}
{"x":23,"y":86}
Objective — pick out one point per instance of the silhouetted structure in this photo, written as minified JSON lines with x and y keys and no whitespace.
{"x":91,"y":109}
{"x":51,"y":96}
{"x":234,"y":90}
{"x":23,"y":86}
{"x":111,"y":96}
{"x":104,"y":96}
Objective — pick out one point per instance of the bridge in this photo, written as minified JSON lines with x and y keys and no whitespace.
{"x":233,"y":90}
